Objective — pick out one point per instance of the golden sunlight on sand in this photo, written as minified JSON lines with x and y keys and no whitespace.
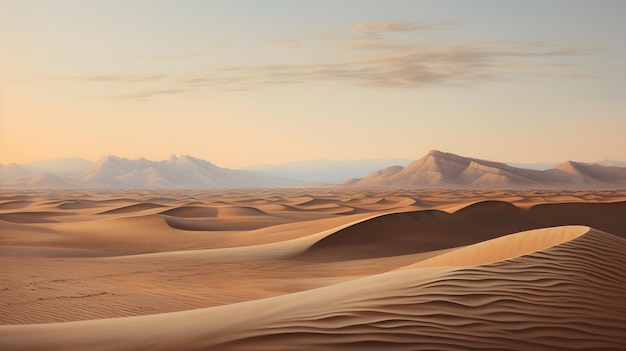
{"x":312,"y":269}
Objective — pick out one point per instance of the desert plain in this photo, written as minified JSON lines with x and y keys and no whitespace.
{"x":319,"y":268}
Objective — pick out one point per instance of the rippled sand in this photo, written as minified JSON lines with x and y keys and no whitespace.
{"x":315,"y":269}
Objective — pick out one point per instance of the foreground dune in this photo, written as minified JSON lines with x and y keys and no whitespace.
{"x":566,"y":295}
{"x":312,"y":269}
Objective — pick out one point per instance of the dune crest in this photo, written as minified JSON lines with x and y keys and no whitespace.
{"x":312,"y":269}
{"x":559,"y":298}
{"x":504,"y":248}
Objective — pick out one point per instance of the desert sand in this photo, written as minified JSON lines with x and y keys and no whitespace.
{"x":320,"y":268}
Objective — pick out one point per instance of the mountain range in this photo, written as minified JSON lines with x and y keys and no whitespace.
{"x":117,"y":172}
{"x":446,"y":170}
{"x":327,"y":171}
{"x":435,"y":170}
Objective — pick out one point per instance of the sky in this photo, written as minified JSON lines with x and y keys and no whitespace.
{"x":243,"y":83}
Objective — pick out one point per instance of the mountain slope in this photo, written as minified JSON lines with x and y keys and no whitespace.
{"x":13,"y":171}
{"x":118,"y":172}
{"x":59,"y":166}
{"x":40,"y":180}
{"x":326,"y":171}
{"x":441,"y":169}
{"x":435,"y":170}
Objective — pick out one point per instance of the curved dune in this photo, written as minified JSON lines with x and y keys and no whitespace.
{"x":74,"y":205}
{"x":314,"y":202}
{"x":398,"y":201}
{"x":226,"y":211}
{"x":132,"y":208}
{"x":230,"y":223}
{"x":12,"y":205}
{"x":232,"y":218}
{"x":504,"y":248}
{"x":240,"y":211}
{"x":275,"y":208}
{"x":280,"y":270}
{"x":608,"y":217}
{"x":32,"y":217}
{"x":293,"y":201}
{"x":191,"y":212}
{"x":567,"y":295}
{"x":429,"y":230}
{"x":502,"y":208}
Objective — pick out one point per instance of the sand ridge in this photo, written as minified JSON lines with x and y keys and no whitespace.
{"x":397,"y":309}
{"x":275,"y":269}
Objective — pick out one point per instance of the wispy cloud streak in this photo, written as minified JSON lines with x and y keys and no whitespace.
{"x":147,"y":94}
{"x":375,"y":55}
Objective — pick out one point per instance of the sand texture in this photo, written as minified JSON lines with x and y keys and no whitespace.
{"x":322,"y":268}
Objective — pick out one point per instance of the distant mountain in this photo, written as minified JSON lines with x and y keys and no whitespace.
{"x":118,"y":172}
{"x":13,"y":171}
{"x":445,"y":170}
{"x":540,"y":166}
{"x":327,"y":171}
{"x":578,"y":173}
{"x":56,"y":167}
{"x":40,"y":180}
{"x":59,"y":166}
{"x":613,"y":163}
{"x":435,"y":170}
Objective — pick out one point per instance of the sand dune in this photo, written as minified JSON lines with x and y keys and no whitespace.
{"x":314,"y":269}
{"x":428,"y":230}
{"x":565,"y":296}
{"x":12,"y":205}
{"x":504,"y":248}
{"x":75,"y":205}
{"x":132,"y":208}
{"x":191,"y":212}
{"x":31,"y":217}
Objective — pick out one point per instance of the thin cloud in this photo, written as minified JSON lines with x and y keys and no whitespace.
{"x":147,"y":94}
{"x":556,"y":52}
{"x":408,"y":66}
{"x":291,"y":43}
{"x":405,"y":67}
{"x":384,"y":26}
{"x":582,"y":76}
{"x":168,"y":58}
{"x":383,"y":60}
{"x":101,"y":78}
{"x":145,"y":78}
{"x":515,"y":64}
{"x":537,"y":43}
{"x":564,"y":65}
{"x":121,"y":78}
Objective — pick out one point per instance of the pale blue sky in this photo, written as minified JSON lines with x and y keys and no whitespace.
{"x":249,"y":82}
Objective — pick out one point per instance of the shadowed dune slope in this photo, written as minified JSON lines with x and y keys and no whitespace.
{"x":31,"y":217}
{"x":11,"y":205}
{"x":608,"y":217}
{"x":191,"y":212}
{"x":429,"y":230}
{"x":132,"y":208}
{"x":505,"y":247}
{"x":566,"y":296}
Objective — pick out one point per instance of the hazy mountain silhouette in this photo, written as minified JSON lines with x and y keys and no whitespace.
{"x":442,"y":169}
{"x":326,"y":171}
{"x":435,"y":170}
{"x":118,"y":172}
